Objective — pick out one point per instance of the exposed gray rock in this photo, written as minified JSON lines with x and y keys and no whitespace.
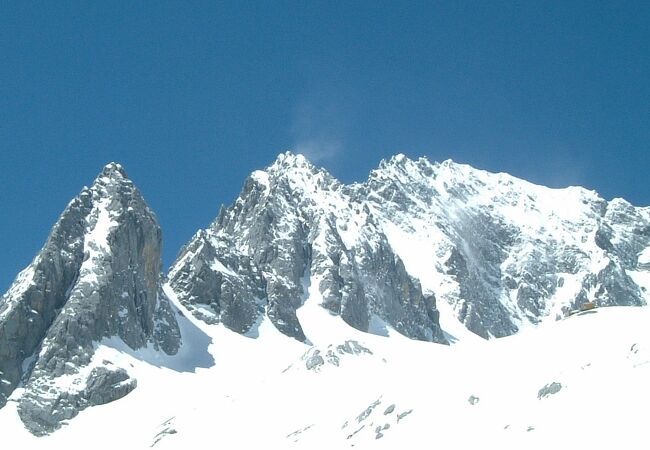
{"x":230,"y":294}
{"x":400,"y":416}
{"x":379,"y":430}
{"x":33,"y":301}
{"x":260,"y":254}
{"x":42,"y":413}
{"x":639,"y":355}
{"x":295,"y":436}
{"x":315,"y":361}
{"x":500,"y":251}
{"x":366,"y":412}
{"x":350,"y":436}
{"x":166,"y":429}
{"x":473,"y":400}
{"x":549,"y":389}
{"x":104,"y":385}
{"x":98,"y":276}
{"x":505,"y":247}
{"x":352,"y":347}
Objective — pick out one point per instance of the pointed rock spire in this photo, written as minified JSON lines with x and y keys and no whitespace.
{"x":97,"y":276}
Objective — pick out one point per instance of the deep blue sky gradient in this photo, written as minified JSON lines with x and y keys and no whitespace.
{"x":192,"y":96}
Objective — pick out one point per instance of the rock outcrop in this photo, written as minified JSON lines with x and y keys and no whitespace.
{"x":294,"y":225}
{"x":499,"y":251}
{"x":97,"y":277}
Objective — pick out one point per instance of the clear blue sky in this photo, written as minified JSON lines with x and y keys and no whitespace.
{"x":190,"y":97}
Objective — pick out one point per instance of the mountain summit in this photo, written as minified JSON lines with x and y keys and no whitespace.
{"x":97,"y":277}
{"x":297,"y":235}
{"x":491,"y":251}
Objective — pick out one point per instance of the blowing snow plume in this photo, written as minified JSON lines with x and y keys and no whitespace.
{"x":319,"y":127}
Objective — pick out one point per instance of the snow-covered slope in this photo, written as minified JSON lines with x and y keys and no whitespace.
{"x":561,"y":384}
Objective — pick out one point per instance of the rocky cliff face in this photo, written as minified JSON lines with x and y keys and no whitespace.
{"x":293,"y":226}
{"x":495,"y":252}
{"x":98,"y":276}
{"x":505,"y":253}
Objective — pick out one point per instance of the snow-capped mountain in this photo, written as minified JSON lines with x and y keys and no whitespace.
{"x":494,"y":252}
{"x":98,"y":276}
{"x":316,"y":314}
{"x":294,"y":227}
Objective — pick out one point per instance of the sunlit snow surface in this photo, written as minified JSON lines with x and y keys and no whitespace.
{"x":225,"y":390}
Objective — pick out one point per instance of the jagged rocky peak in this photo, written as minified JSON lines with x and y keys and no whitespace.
{"x":114,"y":169}
{"x":294,"y":225}
{"x":290,"y":160}
{"x":396,"y":161}
{"x":97,"y":277}
{"x":507,"y":253}
{"x":296,"y":173}
{"x":499,"y":253}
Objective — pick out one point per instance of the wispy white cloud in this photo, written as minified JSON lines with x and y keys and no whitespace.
{"x":562,"y":166}
{"x":320,"y":125}
{"x":317,"y":150}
